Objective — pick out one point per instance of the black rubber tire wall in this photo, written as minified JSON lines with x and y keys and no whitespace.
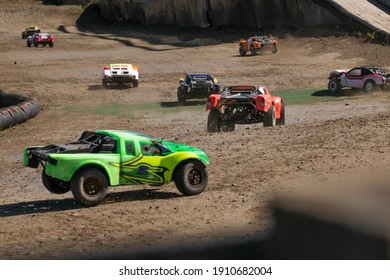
{"x":16,"y":108}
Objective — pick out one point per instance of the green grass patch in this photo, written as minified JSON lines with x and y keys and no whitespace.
{"x":156,"y":109}
{"x":307,"y":96}
{"x":138,"y":110}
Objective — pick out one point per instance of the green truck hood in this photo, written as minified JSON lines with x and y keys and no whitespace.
{"x":176,"y":147}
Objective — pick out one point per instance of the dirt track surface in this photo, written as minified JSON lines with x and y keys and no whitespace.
{"x":248,"y":166}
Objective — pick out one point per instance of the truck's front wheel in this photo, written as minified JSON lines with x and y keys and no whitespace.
{"x":181,"y":96}
{"x":53,"y":185}
{"x":191,"y":177}
{"x":242,"y":50}
{"x":334,"y":86}
{"x":89,"y":187}
{"x":281,"y":120}
{"x":253,"y":50}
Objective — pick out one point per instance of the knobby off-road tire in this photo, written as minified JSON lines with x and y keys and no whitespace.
{"x":334,"y":86}
{"x":242,"y":50}
{"x":28,"y":44}
{"x":135,"y":83}
{"x":89,"y":187}
{"x":369,"y":86}
{"x":281,"y":120}
{"x":214,"y":121}
{"x":36,"y":44}
{"x":228,"y":127}
{"x":270,"y":117}
{"x":253,"y":50}
{"x":181,"y":97}
{"x":51,"y":44}
{"x":104,"y":83}
{"x":53,"y":185}
{"x":191,"y":177}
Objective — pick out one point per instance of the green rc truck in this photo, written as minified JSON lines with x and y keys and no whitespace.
{"x":114,"y":157}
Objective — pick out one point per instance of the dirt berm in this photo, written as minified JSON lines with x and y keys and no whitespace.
{"x":373,"y":15}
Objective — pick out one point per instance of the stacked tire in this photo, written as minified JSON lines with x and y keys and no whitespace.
{"x":16,"y":108}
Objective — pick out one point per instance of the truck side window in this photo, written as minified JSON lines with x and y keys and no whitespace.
{"x":355,"y":72}
{"x":107,"y":144}
{"x":148,"y":149}
{"x":129,"y":148}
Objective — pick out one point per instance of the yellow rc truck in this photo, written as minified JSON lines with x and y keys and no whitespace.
{"x":31,"y":30}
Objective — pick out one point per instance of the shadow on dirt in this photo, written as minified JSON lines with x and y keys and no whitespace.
{"x":56,"y":205}
{"x":91,"y":21}
{"x":124,"y":40}
{"x":110,"y":87}
{"x":342,"y":93}
{"x":139,"y":195}
{"x":38,"y":206}
{"x":248,"y":55}
{"x":171,"y":104}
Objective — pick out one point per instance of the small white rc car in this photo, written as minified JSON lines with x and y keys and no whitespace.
{"x":120,"y":73}
{"x":367,"y":78}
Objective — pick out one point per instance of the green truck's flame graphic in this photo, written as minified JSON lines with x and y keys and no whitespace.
{"x":136,"y":172}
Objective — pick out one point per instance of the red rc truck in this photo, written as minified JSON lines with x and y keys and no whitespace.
{"x":243,"y":105}
{"x":40,"y":39}
{"x":256,"y":44}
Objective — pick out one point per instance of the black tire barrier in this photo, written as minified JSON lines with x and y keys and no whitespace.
{"x":16,"y":108}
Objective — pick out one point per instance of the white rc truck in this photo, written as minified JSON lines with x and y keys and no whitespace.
{"x":367,"y":78}
{"x":120,"y":73}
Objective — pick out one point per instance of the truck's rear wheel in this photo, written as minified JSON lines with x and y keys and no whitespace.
{"x":135,"y":83}
{"x":191,"y":177}
{"x":369,"y":86}
{"x":53,"y":185}
{"x":89,"y":187}
{"x":270,"y":117}
{"x":274,"y":48}
{"x":104,"y":83}
{"x":214,"y":121}
{"x":51,"y":44}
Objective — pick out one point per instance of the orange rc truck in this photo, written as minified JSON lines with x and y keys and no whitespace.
{"x":243,"y":105}
{"x":257,"y":44}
